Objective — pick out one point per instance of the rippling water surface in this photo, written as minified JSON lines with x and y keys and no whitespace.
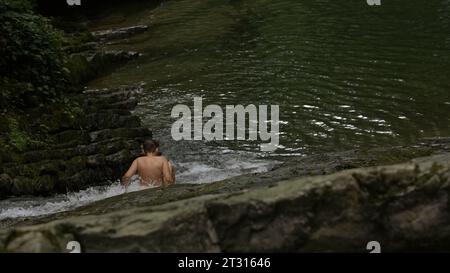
{"x":345,"y":74}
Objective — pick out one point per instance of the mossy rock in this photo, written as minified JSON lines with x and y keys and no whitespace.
{"x":80,"y":69}
{"x":76,"y":164}
{"x":6,"y":183}
{"x":44,"y":184}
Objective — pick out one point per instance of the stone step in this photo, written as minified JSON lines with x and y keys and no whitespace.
{"x":119,"y":33}
{"x":105,"y":147}
{"x":108,"y":91}
{"x":110,"y":120}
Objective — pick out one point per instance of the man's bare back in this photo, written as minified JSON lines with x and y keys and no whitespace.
{"x":153,"y":168}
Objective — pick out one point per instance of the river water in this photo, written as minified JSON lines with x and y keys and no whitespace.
{"x":344,"y":74}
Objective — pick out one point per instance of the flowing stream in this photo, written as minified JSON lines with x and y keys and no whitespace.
{"x":345,"y":75}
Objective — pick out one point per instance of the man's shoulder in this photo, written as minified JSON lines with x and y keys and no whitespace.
{"x":163,"y":158}
{"x":139,"y":158}
{"x":159,"y":158}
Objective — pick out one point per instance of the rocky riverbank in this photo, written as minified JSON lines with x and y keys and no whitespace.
{"x":93,"y":149}
{"x":307,"y":204}
{"x":87,"y":139}
{"x":54,"y":141}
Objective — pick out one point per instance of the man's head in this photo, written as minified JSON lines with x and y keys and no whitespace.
{"x":150,"y":146}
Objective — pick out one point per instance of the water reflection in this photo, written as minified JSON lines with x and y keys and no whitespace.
{"x":344,"y":74}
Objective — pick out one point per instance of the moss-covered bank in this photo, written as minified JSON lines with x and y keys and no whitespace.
{"x":52,"y":134}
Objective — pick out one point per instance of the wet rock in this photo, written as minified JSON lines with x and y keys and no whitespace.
{"x":403,"y":206}
{"x":96,"y":160}
{"x":89,"y":65}
{"x":119,"y":33}
{"x":111,"y":57}
{"x":119,"y":132}
{"x":6,"y":183}
{"x":40,"y":242}
{"x":86,"y":66}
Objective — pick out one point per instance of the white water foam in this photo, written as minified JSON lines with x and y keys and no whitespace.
{"x":23,"y":207}
{"x":191,"y":172}
{"x":199,"y":173}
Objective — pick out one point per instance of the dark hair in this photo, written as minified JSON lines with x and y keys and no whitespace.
{"x":150,"y":146}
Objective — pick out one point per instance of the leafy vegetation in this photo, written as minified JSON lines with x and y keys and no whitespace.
{"x":34,"y":80}
{"x":31,"y":57}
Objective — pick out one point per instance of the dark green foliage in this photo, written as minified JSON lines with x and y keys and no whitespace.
{"x":31,"y":57}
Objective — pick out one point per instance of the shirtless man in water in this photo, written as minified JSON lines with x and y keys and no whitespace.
{"x":153,"y":168}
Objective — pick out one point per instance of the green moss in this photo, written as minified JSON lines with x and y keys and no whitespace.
{"x":80,"y":70}
{"x":22,"y":138}
{"x":77,"y":164}
{"x":79,"y":42}
{"x":44,"y":184}
{"x":17,"y":137}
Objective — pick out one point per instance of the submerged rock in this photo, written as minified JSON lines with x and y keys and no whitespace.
{"x":88,"y":65}
{"x":103,"y":59}
{"x":403,"y":206}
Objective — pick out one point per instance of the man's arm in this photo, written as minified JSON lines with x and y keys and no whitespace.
{"x":131,"y":171}
{"x":167,"y":174}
